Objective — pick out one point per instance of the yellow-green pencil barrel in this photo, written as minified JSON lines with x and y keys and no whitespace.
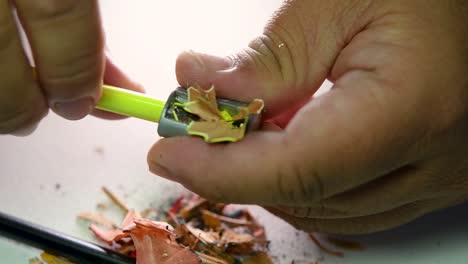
{"x":129,"y":103}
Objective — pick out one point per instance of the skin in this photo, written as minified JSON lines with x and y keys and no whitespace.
{"x":386,"y":145}
{"x":67,"y":43}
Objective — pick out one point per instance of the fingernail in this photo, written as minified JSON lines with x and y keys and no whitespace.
{"x":74,"y":110}
{"x":195,"y":60}
{"x":161,"y":171}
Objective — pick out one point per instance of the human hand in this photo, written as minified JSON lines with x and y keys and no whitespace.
{"x":68,"y":50}
{"x":387,"y":144}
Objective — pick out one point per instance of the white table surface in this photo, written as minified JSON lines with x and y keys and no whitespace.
{"x":57,"y":172}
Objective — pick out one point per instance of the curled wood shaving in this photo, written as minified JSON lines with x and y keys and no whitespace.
{"x":207,"y":237}
{"x":188,"y":211}
{"x":107,"y":236}
{"x":203,"y":103}
{"x":214,"y":132}
{"x":215,"y":125}
{"x":155,"y":243}
{"x":115,"y":199}
{"x":97,"y":219}
{"x":214,"y":220}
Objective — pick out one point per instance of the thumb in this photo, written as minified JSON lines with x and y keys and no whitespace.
{"x":239,"y":77}
{"x":282,"y":66}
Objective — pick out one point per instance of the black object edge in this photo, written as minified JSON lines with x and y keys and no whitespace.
{"x":56,"y":243}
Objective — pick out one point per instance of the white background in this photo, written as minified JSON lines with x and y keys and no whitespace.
{"x":144,"y":37}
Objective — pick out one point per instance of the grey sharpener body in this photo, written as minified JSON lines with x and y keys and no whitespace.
{"x":169,"y":126}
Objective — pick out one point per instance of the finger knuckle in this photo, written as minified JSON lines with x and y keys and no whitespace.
{"x":311,"y":184}
{"x":74,"y":68}
{"x":297,"y":181}
{"x":306,"y":182}
{"x":274,"y":55}
{"x":279,"y":53}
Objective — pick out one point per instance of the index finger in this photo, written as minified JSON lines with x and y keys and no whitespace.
{"x":67,"y":43}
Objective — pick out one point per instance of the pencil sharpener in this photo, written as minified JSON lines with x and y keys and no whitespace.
{"x":174,"y":119}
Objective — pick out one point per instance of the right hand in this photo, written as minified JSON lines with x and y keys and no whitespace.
{"x":387,"y":144}
{"x":67,"y":44}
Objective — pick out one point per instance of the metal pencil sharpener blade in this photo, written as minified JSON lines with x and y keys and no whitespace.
{"x":175,"y":120}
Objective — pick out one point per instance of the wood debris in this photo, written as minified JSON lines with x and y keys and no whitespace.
{"x":97,"y":219}
{"x":194,"y":231}
{"x":115,"y":199}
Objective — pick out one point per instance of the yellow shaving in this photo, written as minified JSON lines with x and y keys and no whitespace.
{"x":215,"y":125}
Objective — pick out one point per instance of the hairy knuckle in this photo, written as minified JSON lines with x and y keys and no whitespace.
{"x":282,"y":51}
{"x":244,"y":61}
{"x":268,"y":56}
